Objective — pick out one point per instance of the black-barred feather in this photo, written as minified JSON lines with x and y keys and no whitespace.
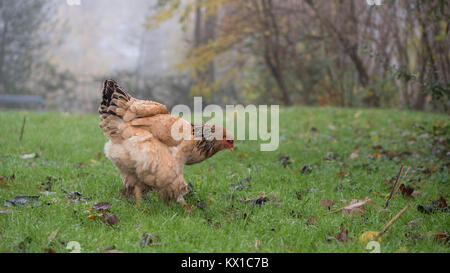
{"x":206,"y":146}
{"x":111,"y":91}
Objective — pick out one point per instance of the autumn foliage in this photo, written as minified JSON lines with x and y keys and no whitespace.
{"x":343,"y":53}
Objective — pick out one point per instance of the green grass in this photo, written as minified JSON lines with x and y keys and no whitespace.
{"x":227,"y":224}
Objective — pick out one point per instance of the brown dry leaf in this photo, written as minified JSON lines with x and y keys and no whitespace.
{"x":111,"y":219}
{"x":343,"y":235}
{"x":258,"y":244}
{"x":442,"y":203}
{"x":406,"y":190}
{"x":311,"y":220}
{"x":48,"y":250}
{"x":102,"y":206}
{"x":441,"y":237}
{"x":377,"y":147}
{"x":326,"y":203}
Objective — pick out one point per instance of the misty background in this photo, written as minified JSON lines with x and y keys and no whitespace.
{"x":289,"y":52}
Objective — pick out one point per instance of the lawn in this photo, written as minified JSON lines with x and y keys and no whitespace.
{"x":324,"y":154}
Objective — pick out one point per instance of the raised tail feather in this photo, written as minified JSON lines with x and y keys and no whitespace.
{"x":115,"y":101}
{"x":118,"y":106}
{"x":115,"y":104}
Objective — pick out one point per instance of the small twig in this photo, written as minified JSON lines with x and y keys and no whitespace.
{"x":23,"y":128}
{"x":406,"y":173}
{"x":392,"y":222}
{"x":404,"y":177}
{"x":333,"y":211}
{"x":394,"y":187}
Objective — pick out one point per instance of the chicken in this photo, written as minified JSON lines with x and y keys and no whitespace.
{"x":142,"y":147}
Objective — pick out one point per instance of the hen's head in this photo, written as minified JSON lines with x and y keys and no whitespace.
{"x":215,"y":138}
{"x":227,"y":141}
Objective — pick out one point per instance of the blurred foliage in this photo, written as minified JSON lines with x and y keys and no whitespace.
{"x":342,"y":53}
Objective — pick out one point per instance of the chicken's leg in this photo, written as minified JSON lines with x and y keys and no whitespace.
{"x":138,"y":194}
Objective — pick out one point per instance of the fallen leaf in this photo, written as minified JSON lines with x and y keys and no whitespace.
{"x":29,"y":156}
{"x":406,"y":190}
{"x":92,"y":216}
{"x":242,"y":184}
{"x":377,"y":147}
{"x":441,"y":237}
{"x":306,"y":169}
{"x":436,"y":205}
{"x":258,"y":244}
{"x":74,"y":195}
{"x":354,"y":155}
{"x":149,"y":240}
{"x":111,"y":219}
{"x":48,"y":250}
{"x":21,"y":201}
{"x":369,"y":236}
{"x":285,"y":161}
{"x":414,"y":223}
{"x":79,"y":164}
{"x":443,"y":203}
{"x":326,"y":203}
{"x":425,"y":209}
{"x":356,"y":206}
{"x":102,"y":206}
{"x":343,"y":235}
{"x":414,"y":236}
{"x":311,"y":220}
{"x":257,"y":201}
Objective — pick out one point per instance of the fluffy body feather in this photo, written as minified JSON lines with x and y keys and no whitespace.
{"x":142,"y":148}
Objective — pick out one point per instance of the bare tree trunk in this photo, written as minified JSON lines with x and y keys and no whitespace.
{"x":198,"y":24}
{"x":350,"y":48}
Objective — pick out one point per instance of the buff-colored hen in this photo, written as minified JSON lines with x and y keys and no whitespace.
{"x":142,"y":146}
